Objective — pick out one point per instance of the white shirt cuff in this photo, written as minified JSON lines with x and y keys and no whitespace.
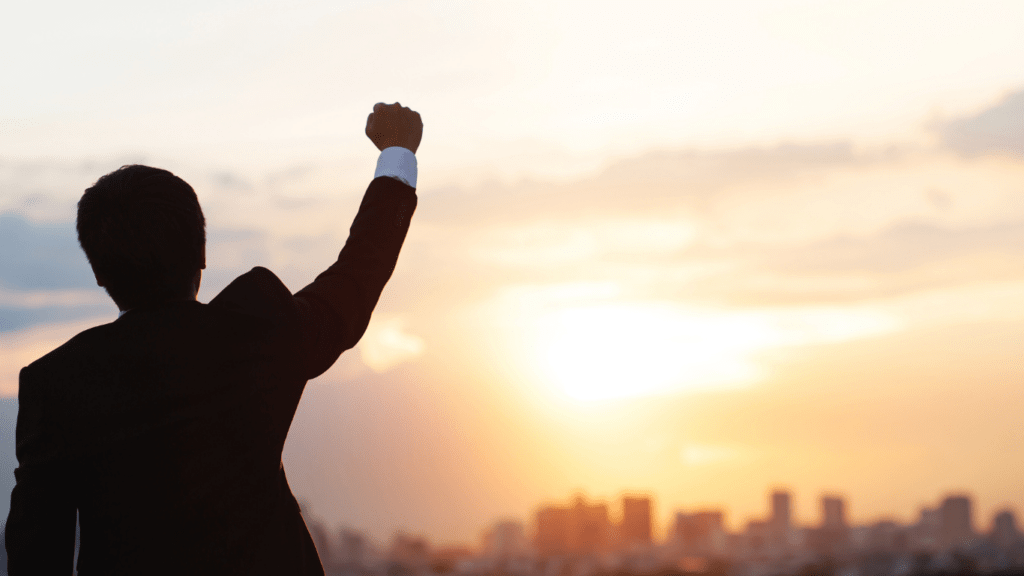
{"x":398,"y":163}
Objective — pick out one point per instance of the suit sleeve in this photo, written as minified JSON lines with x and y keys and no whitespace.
{"x":40,"y":531}
{"x":335,"y":309}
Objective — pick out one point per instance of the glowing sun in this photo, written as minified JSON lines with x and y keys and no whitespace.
{"x":610,"y":351}
{"x":615,"y":351}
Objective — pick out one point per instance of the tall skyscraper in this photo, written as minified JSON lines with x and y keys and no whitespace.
{"x":636,"y":520}
{"x":552,"y":531}
{"x":925,"y":533}
{"x":589,"y":527}
{"x":583,"y":528}
{"x":700,"y":533}
{"x":833,"y":535}
{"x":780,"y":504}
{"x":1004,"y":530}
{"x":409,"y":550}
{"x":352,"y":549}
{"x":756,"y":537}
{"x":780,"y":522}
{"x":885,"y":536}
{"x":833,"y":512}
{"x":956,"y":527}
{"x":505,"y":540}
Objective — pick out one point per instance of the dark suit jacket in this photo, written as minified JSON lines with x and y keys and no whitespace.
{"x":164,"y":429}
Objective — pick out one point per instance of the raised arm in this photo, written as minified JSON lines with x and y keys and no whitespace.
{"x":335,"y":309}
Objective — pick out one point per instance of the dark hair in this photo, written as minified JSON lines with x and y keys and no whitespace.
{"x":143,"y":231}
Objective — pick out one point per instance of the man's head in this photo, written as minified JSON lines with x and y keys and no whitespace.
{"x":144,"y":234}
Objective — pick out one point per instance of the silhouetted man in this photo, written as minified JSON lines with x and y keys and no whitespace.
{"x":164,"y":429}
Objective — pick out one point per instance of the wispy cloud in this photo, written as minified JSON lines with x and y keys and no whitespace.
{"x":387,"y":343}
{"x":995,"y":130}
{"x":41,"y":256}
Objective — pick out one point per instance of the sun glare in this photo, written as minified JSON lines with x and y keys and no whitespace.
{"x":605,"y":352}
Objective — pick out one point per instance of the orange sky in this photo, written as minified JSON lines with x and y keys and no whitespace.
{"x":702,"y":250}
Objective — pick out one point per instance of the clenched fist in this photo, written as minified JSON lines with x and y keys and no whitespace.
{"x":394,"y":125}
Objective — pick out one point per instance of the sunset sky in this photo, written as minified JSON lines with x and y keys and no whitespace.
{"x":696,"y":249}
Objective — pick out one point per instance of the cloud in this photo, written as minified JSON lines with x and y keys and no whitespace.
{"x":549,"y":244}
{"x":41,"y":256}
{"x":231,"y":252}
{"x":45,"y":277}
{"x":818,"y":220}
{"x":902,"y":259}
{"x":906,"y":246}
{"x":14,"y":319}
{"x":230,"y":181}
{"x":814,"y":223}
{"x":707,"y":454}
{"x":386,"y":344}
{"x":47,"y":189}
{"x":999,"y":129}
{"x":23,"y":347}
{"x":662,"y":183}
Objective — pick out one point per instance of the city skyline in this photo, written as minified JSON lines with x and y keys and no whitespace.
{"x":633,"y":518}
{"x":580,"y":536}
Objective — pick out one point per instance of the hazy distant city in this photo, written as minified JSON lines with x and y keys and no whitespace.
{"x":582,"y":537}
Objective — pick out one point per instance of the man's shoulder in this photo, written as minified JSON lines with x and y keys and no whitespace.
{"x":258,"y":293}
{"x":78,"y":344}
{"x":55,"y":362}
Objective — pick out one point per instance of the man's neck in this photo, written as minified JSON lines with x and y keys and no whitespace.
{"x":123,"y":311}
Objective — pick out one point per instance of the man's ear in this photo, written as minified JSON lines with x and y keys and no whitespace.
{"x":203,"y":267}
{"x":100,"y":280}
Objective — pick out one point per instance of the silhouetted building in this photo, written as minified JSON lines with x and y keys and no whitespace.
{"x":832,"y":536}
{"x":756,"y":537}
{"x":581,"y":529}
{"x":505,"y":540}
{"x":700,"y":533}
{"x":552,"y":531}
{"x":1005,"y":534}
{"x":925,"y":534}
{"x":781,"y":515}
{"x":956,"y":528}
{"x":780,"y":522}
{"x":589,"y":527}
{"x":318,"y":532}
{"x":886,"y":536}
{"x":351,"y":549}
{"x":447,"y":560}
{"x":410,"y":551}
{"x":833,"y":512}
{"x":636,"y":521}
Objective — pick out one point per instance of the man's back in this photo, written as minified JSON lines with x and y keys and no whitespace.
{"x":169,"y":423}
